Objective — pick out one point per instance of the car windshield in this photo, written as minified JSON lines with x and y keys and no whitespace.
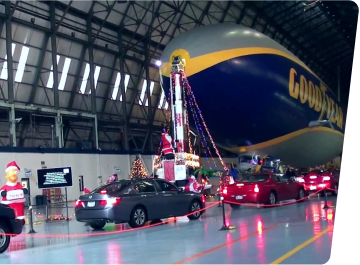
{"x":113,"y":187}
{"x":254,"y":178}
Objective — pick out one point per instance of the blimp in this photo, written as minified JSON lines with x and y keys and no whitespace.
{"x":256,"y":97}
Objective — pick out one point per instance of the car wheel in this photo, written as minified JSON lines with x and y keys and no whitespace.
{"x":195,"y":206}
{"x":335,"y":191}
{"x":138,"y":217}
{"x":301,"y":195}
{"x":272,"y":198}
{"x":4,"y":239}
{"x":234,"y":206}
{"x":97,"y":225}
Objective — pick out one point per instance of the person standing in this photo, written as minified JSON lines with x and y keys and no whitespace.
{"x":234,"y":173}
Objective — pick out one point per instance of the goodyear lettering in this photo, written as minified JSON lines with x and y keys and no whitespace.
{"x":306,"y":91}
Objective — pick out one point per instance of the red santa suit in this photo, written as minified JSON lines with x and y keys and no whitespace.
{"x":14,"y":194}
{"x":193,"y":185}
{"x":166,"y":143}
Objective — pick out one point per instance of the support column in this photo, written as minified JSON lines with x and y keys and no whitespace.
{"x":59,"y":131}
{"x":91,"y":77}
{"x":10,"y":80}
{"x":12,"y":128}
{"x":148,"y":93}
{"x":96,"y":132}
{"x":53,"y":56}
{"x":123,"y":93}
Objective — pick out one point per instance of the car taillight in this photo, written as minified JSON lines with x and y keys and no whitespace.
{"x":110,"y":201}
{"x":79,"y":203}
{"x":256,"y":188}
{"x":224,"y":191}
{"x":239,"y":184}
{"x":326,"y":178}
{"x":103,"y":192}
{"x":203,"y":199}
{"x":313,"y":177}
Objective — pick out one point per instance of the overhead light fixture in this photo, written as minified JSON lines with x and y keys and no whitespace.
{"x":158,"y":63}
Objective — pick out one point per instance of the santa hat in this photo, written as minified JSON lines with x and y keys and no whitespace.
{"x":12,"y":165}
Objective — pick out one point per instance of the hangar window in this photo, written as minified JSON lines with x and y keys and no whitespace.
{"x":22,"y":63}
{"x":86,"y":78}
{"x":50,"y":82}
{"x":64,"y":74}
{"x":4,"y":72}
{"x":117,"y":86}
{"x":143,"y":92}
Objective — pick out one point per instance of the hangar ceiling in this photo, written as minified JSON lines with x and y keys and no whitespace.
{"x":118,"y":43}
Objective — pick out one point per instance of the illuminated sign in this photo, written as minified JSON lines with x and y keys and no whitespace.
{"x":315,"y":96}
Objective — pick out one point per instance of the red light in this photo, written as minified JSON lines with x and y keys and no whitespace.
{"x":79,"y":203}
{"x":240,"y":184}
{"x":256,"y":189}
{"x":261,"y":161}
{"x":203,"y":198}
{"x":103,"y":192}
{"x":110,"y":202}
{"x":313,"y":177}
{"x":224,"y":191}
{"x":326,"y":178}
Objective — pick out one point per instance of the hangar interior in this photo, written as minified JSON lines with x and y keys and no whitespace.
{"x":119,"y":43}
{"x":84,"y":75}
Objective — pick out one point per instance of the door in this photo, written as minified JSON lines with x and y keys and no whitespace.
{"x":149,"y":197}
{"x":283,"y":190}
{"x":174,"y":203}
{"x":81,"y":184}
{"x":25,"y":182}
{"x":293,"y":188}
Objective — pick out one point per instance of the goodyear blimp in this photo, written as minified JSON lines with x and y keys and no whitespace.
{"x":256,"y":97}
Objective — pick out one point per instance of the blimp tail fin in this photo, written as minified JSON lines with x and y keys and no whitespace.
{"x":323,"y":123}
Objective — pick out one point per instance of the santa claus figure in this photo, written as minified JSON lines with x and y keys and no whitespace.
{"x":111,"y":179}
{"x":167,"y":148}
{"x":193,"y":185}
{"x":13,"y":192}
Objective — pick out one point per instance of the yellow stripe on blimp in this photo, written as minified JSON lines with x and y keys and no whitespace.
{"x":243,"y":149}
{"x":200,"y":63}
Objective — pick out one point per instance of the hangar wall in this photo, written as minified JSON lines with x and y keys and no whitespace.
{"x":88,"y":165}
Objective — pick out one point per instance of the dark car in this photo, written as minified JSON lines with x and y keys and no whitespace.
{"x":136,"y":202}
{"x":9,"y":225}
{"x":317,"y":180}
{"x":263,"y":188}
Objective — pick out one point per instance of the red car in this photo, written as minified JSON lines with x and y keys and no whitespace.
{"x":319,"y":179}
{"x":263,"y":188}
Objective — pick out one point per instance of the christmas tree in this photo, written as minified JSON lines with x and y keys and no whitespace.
{"x":138,"y":170}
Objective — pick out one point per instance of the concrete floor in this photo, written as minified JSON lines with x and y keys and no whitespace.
{"x":261,"y":236}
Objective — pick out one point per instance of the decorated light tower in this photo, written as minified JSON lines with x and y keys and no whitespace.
{"x":177,"y":156}
{"x":177,"y":104}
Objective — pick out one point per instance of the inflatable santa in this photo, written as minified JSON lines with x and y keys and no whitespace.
{"x":13,"y":192}
{"x":193,"y":185}
{"x":167,"y":148}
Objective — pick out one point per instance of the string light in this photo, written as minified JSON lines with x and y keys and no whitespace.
{"x":199,"y":128}
{"x":206,"y":128}
{"x":187,"y":122}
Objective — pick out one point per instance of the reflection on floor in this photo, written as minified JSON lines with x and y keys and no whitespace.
{"x":261,"y":236}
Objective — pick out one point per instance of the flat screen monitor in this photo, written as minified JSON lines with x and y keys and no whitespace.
{"x":54,"y":178}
